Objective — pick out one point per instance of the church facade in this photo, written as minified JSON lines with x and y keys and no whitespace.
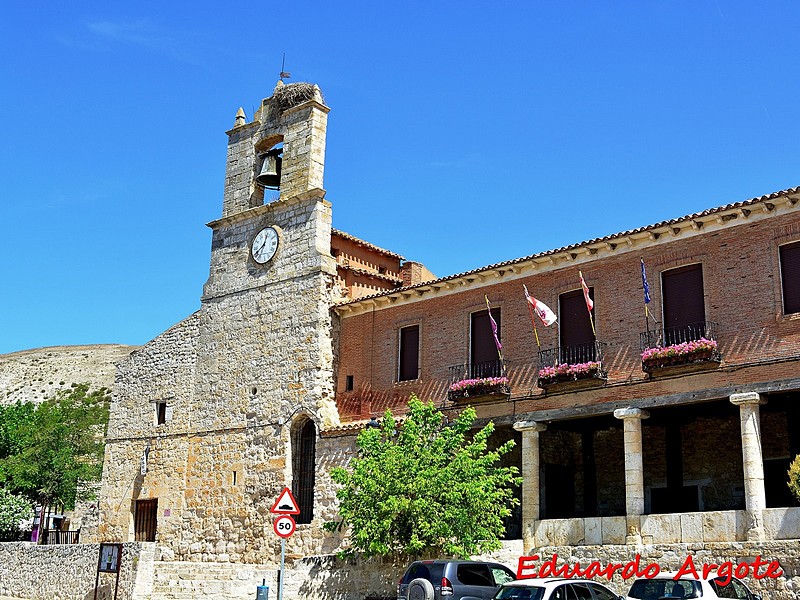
{"x":632,"y":428}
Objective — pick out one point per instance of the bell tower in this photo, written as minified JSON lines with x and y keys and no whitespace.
{"x":295,"y":116}
{"x":248,"y":378}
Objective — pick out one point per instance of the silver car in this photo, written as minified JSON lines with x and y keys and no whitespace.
{"x":452,"y":580}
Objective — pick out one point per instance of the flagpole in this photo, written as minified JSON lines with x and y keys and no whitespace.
{"x":586,"y":295}
{"x":533,"y":321}
{"x":494,"y":332}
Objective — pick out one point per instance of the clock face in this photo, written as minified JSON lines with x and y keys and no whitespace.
{"x":265,"y":244}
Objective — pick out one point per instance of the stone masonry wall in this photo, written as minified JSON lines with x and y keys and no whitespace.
{"x":162,"y":370}
{"x":69,"y":572}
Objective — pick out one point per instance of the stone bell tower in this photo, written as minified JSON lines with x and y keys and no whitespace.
{"x":295,"y":116}
{"x":264,"y":372}
{"x":213,"y":417}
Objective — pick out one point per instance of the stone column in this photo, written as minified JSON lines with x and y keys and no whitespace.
{"x":753,"y":460}
{"x":634,"y":468}
{"x":530,"y":479}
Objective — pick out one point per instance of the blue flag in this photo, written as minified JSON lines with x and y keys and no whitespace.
{"x":645,"y":286}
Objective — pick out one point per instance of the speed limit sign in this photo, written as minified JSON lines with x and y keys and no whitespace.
{"x":284,"y":526}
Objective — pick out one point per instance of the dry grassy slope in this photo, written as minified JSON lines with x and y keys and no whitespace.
{"x":35,"y":375}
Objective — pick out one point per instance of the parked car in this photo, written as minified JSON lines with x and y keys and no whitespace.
{"x":664,"y":585}
{"x":555,"y":588}
{"x":452,"y":580}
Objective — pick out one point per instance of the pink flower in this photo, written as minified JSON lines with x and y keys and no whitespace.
{"x":683,"y":349}
{"x":468,"y":384}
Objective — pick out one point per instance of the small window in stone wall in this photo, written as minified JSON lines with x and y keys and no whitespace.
{"x":161,"y":413}
{"x":348,"y":385}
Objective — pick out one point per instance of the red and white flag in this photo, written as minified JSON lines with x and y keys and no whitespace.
{"x":545,"y":314}
{"x":589,"y":303}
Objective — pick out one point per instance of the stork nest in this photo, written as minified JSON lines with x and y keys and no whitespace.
{"x":287,"y":96}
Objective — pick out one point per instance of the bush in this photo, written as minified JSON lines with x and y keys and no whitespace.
{"x":794,"y":477}
{"x":14,"y":512}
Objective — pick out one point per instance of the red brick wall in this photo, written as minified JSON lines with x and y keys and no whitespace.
{"x":742,"y":294}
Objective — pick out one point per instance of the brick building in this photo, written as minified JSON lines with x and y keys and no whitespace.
{"x":629,"y":438}
{"x":306,"y":332}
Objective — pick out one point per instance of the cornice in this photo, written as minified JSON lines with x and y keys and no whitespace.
{"x":703,"y":223}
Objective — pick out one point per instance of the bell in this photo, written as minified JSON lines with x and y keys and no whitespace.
{"x":270,"y":175}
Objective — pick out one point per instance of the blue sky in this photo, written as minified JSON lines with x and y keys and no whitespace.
{"x":461,"y":134}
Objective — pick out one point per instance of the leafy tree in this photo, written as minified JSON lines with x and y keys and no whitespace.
{"x":47,"y":450}
{"x":14,"y":427}
{"x":425,"y":486}
{"x":794,"y":477}
{"x":13,"y":511}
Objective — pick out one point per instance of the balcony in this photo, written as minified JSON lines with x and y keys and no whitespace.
{"x":492,"y":368}
{"x":572,"y":367}
{"x":683,"y":349}
{"x":478,"y":381}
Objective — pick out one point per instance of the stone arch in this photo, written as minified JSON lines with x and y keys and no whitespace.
{"x":303,"y":434}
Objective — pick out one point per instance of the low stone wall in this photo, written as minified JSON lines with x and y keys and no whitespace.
{"x":68,"y":572}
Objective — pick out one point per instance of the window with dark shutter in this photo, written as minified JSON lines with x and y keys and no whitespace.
{"x":484,"y":361}
{"x":575,"y":328}
{"x":409,"y":353}
{"x":683,"y":304}
{"x":790,"y":277}
{"x":304,"y":446}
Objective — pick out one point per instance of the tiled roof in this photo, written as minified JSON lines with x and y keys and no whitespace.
{"x":355,"y":426}
{"x":608,"y":238}
{"x":381,"y":276}
{"x":361,"y":242}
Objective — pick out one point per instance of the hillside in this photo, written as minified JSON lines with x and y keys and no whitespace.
{"x":35,"y":375}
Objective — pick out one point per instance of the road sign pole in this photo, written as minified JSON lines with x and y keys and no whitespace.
{"x":280,"y":582}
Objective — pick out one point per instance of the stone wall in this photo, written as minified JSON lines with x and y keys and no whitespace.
{"x":160,"y":371}
{"x":69,"y":572}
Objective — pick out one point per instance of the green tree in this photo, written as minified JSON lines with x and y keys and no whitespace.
{"x":52,"y":447}
{"x":425,"y":486}
{"x":13,"y":511}
{"x":794,"y":477}
{"x":15,"y":420}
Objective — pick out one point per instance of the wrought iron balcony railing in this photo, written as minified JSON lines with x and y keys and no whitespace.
{"x":660,"y":337}
{"x":492,"y":368}
{"x":581,"y":353}
{"x":56,"y":536}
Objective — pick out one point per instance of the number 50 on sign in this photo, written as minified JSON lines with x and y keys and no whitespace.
{"x":284,"y":526}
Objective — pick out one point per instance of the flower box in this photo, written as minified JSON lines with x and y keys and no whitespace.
{"x":476,"y":388}
{"x":563,"y":374}
{"x":702,"y":352}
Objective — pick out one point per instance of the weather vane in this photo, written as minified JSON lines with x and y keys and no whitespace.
{"x":284,"y":74}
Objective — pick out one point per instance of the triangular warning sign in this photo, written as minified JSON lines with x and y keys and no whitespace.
{"x":285,"y":504}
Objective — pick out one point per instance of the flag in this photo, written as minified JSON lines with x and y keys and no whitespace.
{"x":645,"y":285}
{"x":589,"y":303}
{"x":494,"y":325}
{"x":545,"y":314}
